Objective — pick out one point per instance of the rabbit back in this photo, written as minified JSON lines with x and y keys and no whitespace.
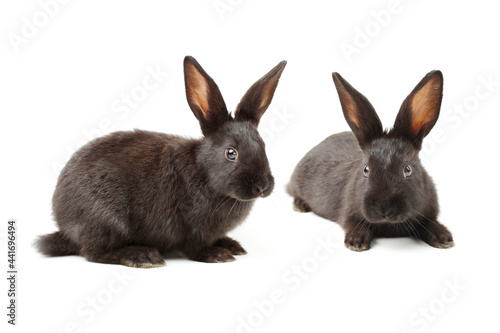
{"x":322,"y":177}
{"x":112,"y":186}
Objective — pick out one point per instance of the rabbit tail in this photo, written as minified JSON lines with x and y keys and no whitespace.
{"x":57,"y":244}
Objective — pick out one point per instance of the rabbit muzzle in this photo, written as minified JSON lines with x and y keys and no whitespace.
{"x":264,"y":187}
{"x":392,"y":209}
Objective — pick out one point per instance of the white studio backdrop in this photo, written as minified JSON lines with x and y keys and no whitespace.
{"x":74,"y":70}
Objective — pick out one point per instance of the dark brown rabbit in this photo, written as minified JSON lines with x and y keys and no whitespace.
{"x":129,"y":196}
{"x":371,"y":181}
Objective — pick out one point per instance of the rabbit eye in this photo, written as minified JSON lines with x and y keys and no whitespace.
{"x":407,"y":170}
{"x":231,"y":154}
{"x":366,"y":171}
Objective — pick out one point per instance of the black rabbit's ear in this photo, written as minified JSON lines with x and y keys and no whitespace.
{"x":358,"y":112}
{"x":257,"y":99}
{"x":204,"y":97}
{"x":420,"y":110}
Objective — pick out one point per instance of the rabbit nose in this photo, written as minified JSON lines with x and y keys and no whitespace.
{"x":390,"y":209}
{"x":264,"y":187}
{"x":386,"y":216}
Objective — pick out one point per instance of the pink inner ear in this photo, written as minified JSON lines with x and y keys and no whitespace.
{"x":424,"y":105}
{"x":266,"y":100}
{"x":350,"y":108}
{"x":268,"y":92}
{"x":198,"y":90}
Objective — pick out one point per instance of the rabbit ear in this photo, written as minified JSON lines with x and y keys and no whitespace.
{"x":204,"y":97}
{"x":420,"y":110}
{"x":257,"y":99}
{"x":358,"y":112}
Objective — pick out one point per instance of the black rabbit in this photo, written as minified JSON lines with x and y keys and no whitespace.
{"x":371,"y":181}
{"x":129,"y":196}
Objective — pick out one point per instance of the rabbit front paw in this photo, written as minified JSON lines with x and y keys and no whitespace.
{"x":437,"y":235}
{"x":217,"y":254}
{"x":211,"y":254}
{"x":230,"y":244}
{"x":300,"y":206}
{"x":358,"y":240}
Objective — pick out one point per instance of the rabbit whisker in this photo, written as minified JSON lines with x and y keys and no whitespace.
{"x":431,"y":221}
{"x":237,"y":202}
{"x":404,"y":228}
{"x":360,"y":223}
{"x":412,"y":228}
{"x":430,"y":232}
{"x":222,"y":203}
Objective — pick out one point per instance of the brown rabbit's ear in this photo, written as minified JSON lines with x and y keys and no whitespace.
{"x":420,"y":110}
{"x":204,"y":97}
{"x":358,"y":112}
{"x":257,"y":99}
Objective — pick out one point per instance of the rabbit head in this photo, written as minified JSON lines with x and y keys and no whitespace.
{"x":394,"y":185}
{"x":232,"y":152}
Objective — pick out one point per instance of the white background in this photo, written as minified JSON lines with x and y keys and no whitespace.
{"x":64,"y":82}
